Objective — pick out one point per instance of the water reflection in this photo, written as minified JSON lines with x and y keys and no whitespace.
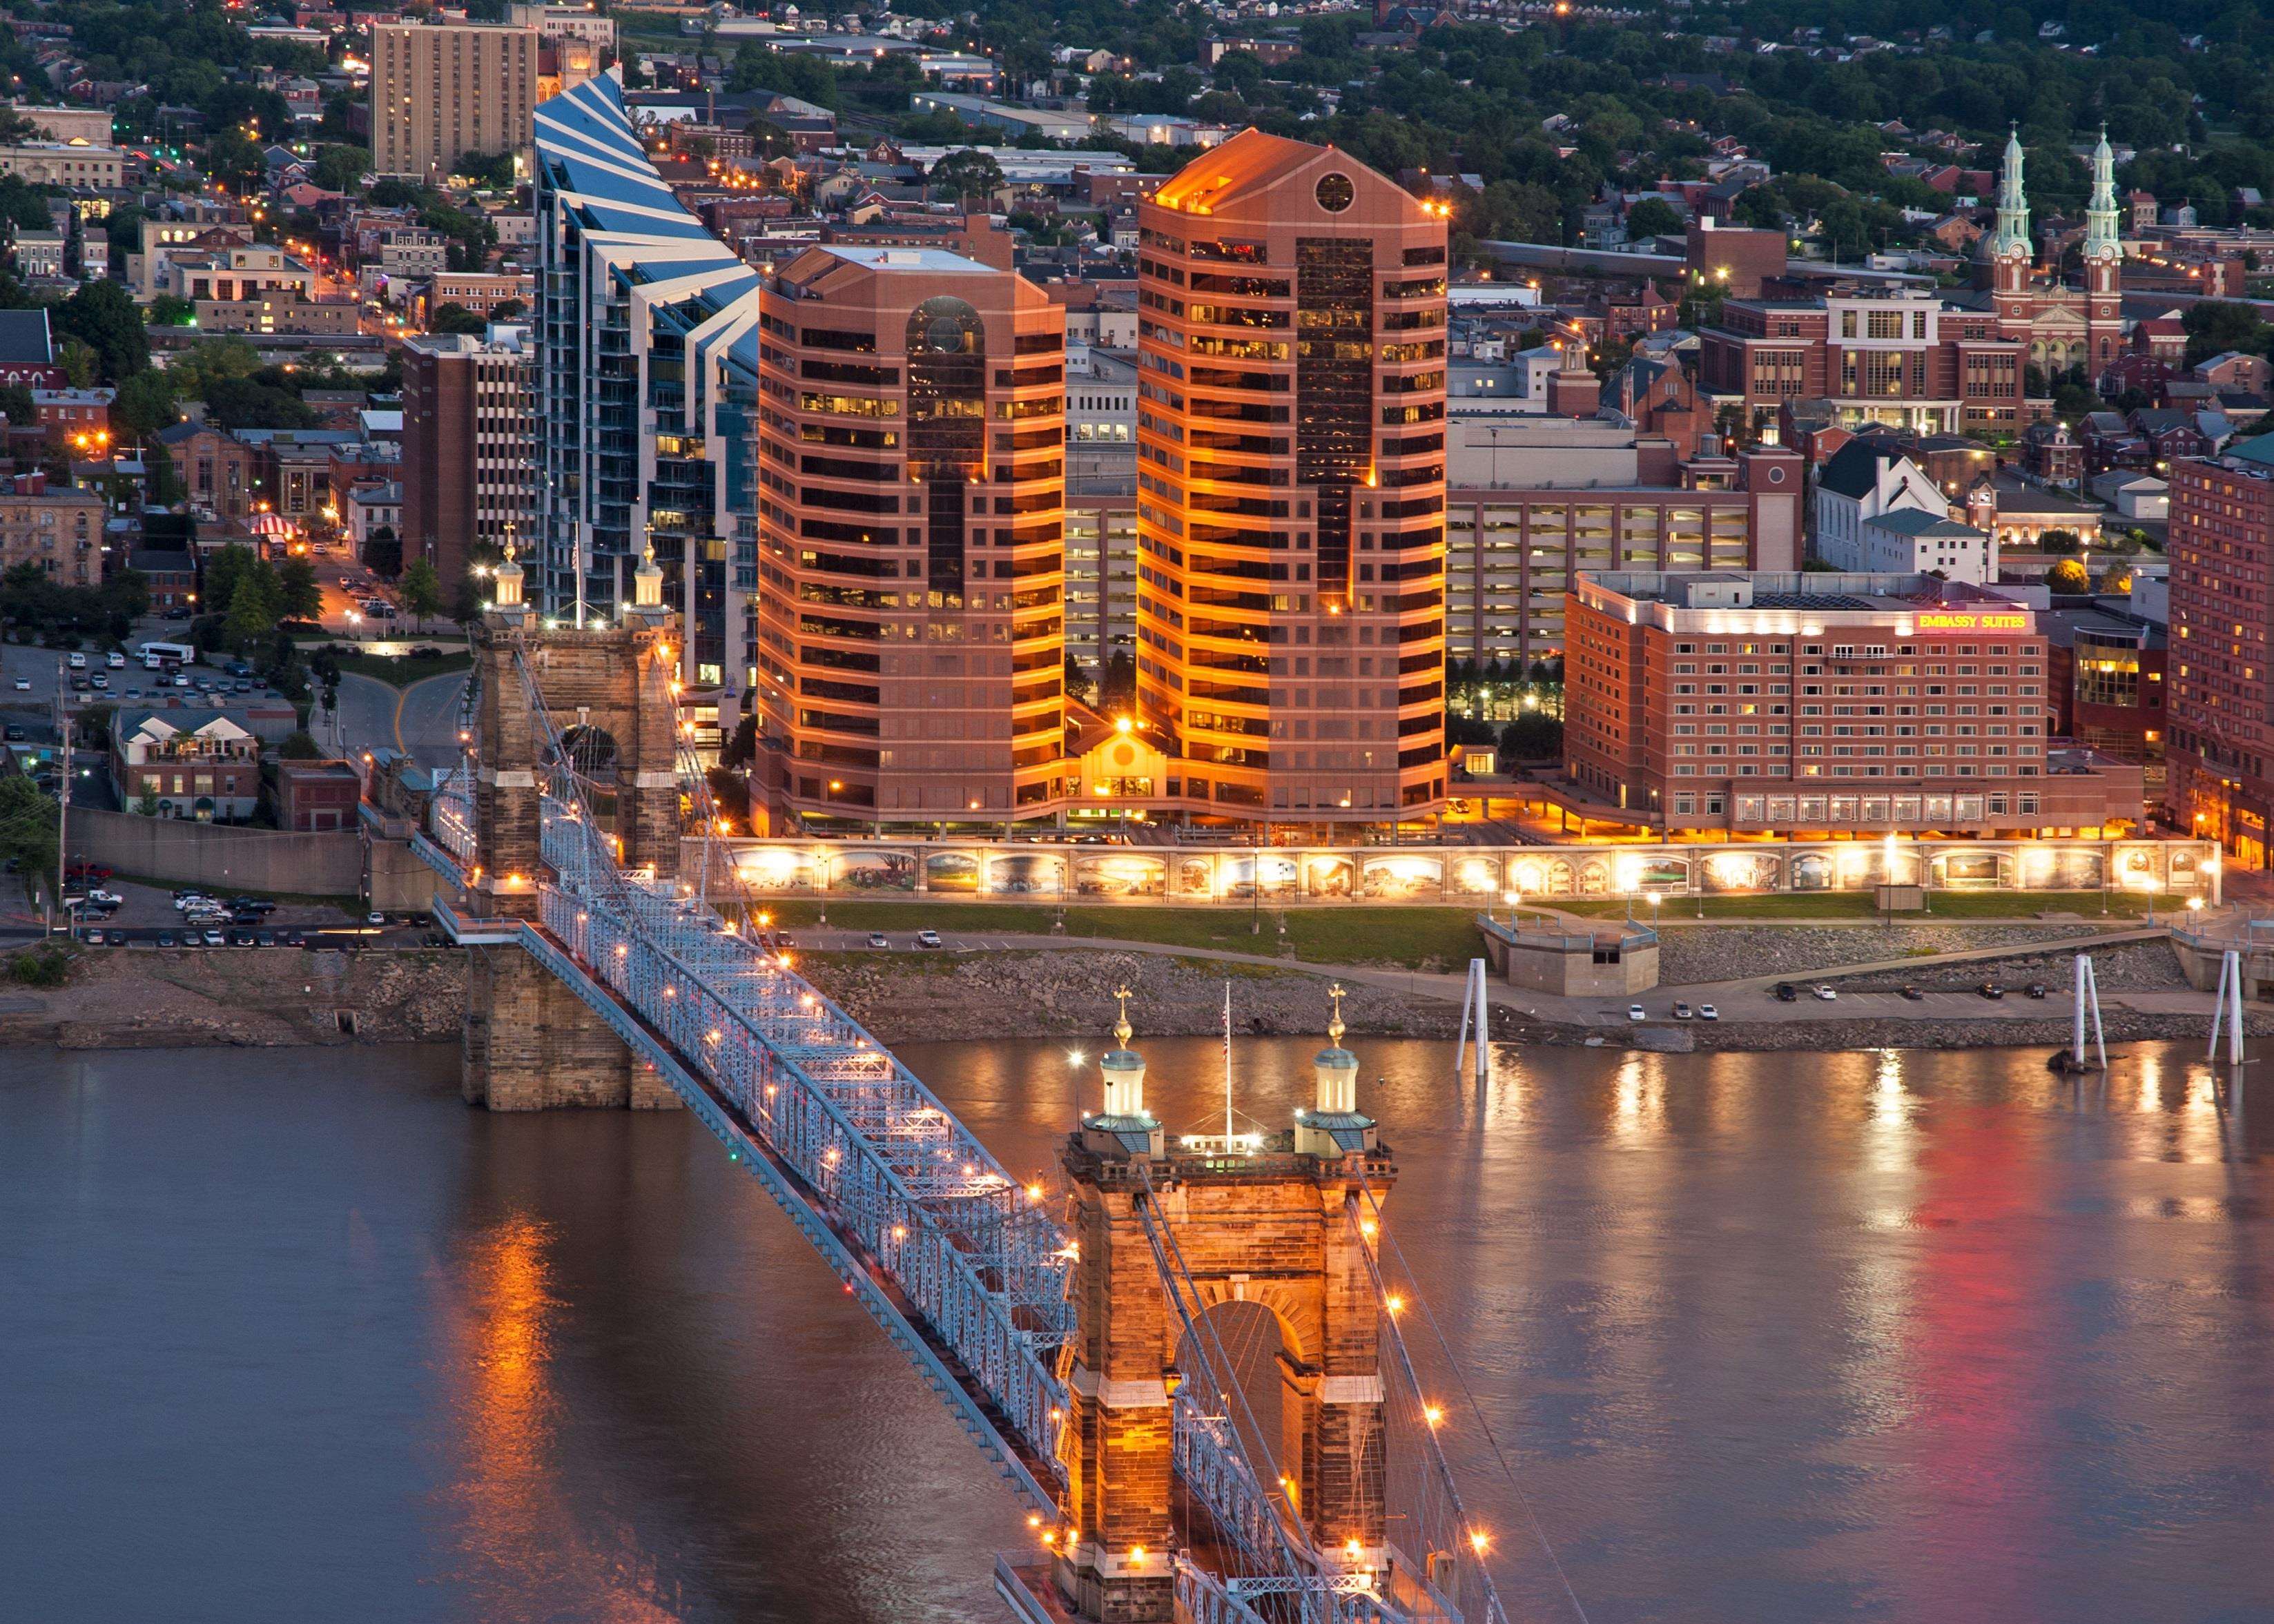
{"x":1917,"y":1334}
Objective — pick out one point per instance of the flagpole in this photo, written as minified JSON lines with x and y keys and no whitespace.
{"x":1227,"y":1064}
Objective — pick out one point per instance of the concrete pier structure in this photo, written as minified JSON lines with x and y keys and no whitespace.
{"x":1274,"y":1280}
{"x":531,"y":1044}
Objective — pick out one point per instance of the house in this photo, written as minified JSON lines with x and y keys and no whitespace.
{"x":28,"y":351}
{"x":170,"y":576}
{"x":371,"y":508}
{"x":1912,"y":541}
{"x":313,"y":796}
{"x":185,"y":762}
{"x":2235,"y":369}
{"x":1864,"y":481}
{"x":2051,"y":454}
{"x":2018,"y":514}
{"x":2136,"y":496}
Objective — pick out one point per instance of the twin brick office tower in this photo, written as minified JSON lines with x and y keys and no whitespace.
{"x":1290,"y":511}
{"x":887,"y":423}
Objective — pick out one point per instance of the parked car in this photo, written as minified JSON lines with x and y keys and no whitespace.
{"x":876,"y":938}
{"x":1828,"y":994}
{"x":1787,"y":993}
{"x":23,"y":685}
{"x":1706,"y":1012}
{"x":927,"y":938}
{"x":1990,"y":990}
{"x":106,"y":898}
{"x":165,"y":939}
{"x":252,"y":904}
{"x":240,"y":938}
{"x":264,"y":938}
{"x":2035,"y":989}
{"x":214,"y":938}
{"x":1682,"y":1011}
{"x":114,"y":660}
{"x":1635,"y":1012}
{"x":374,"y":920}
{"x":1914,"y":994}
{"x":92,"y":938}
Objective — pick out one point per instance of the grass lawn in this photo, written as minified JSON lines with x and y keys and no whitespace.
{"x":1834,"y":905}
{"x":1407,"y":937}
{"x":403,"y":672}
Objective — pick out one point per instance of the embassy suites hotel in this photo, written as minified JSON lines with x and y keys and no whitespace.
{"x":1755,"y":702}
{"x":851,"y":468}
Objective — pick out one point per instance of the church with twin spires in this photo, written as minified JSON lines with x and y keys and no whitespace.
{"x":2060,"y":325}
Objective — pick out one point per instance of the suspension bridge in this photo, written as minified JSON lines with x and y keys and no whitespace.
{"x":1184,"y":1353}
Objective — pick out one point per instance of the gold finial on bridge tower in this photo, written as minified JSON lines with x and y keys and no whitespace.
{"x":1121,"y":1028}
{"x":1335,"y":1027}
{"x":508,"y":579}
{"x":647,"y":584}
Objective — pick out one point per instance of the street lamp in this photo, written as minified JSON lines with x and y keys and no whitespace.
{"x":2150,"y":886}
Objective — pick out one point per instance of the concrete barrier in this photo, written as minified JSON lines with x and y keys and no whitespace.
{"x":219,"y":855}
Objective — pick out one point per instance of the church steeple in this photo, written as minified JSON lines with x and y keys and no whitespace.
{"x":2100,"y":215}
{"x":2012,"y":237}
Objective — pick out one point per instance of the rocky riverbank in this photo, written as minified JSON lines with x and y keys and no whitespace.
{"x":258,"y":998}
{"x":1691,"y":953}
{"x":276,"y":998}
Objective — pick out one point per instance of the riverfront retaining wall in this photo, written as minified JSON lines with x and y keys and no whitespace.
{"x":220,"y":855}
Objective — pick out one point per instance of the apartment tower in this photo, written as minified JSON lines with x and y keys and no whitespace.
{"x":1291,"y":500}
{"x":469,"y":446}
{"x":910,"y":458}
{"x":441,"y":91}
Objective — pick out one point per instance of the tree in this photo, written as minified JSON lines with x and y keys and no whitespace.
{"x":2061,"y":542}
{"x":965,"y":173}
{"x":146,"y":404}
{"x":2215,"y":326}
{"x":508,"y":310}
{"x":254,"y":609}
{"x":452,"y":317}
{"x":299,"y":596}
{"x":494,"y":171}
{"x":147,"y":803}
{"x":16,"y":405}
{"x":1117,"y":687}
{"x":324,"y":666}
{"x":1533,"y":736}
{"x":2115,"y":581}
{"x":422,"y":590}
{"x":27,"y":829}
{"x":2068,"y":577}
{"x":79,"y":363}
{"x":169,"y":311}
{"x":103,"y":316}
{"x":1652,"y":217}
{"x":1078,"y":685}
{"x":298,"y":745}
{"x":743,"y":748}
{"x":382,"y":553}
{"x":341,"y":169}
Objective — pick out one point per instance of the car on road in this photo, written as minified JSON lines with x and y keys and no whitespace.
{"x":1992,"y":990}
{"x":1706,"y":1012}
{"x":214,"y":938}
{"x":106,"y":898}
{"x":376,"y":919}
{"x":92,"y":938}
{"x":877,"y":938}
{"x":114,"y":660}
{"x":927,"y":938}
{"x":1827,"y":993}
{"x":23,"y":685}
{"x":14,"y":733}
{"x":1682,"y":1011}
{"x":2035,"y":989}
{"x":77,"y":662}
{"x":1635,"y":1012}
{"x":1914,"y":994}
{"x":1787,"y":993}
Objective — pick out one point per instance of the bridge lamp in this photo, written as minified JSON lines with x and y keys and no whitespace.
{"x":1433,"y":1415}
{"x":1033,"y":1192}
{"x":1074,"y":1056}
{"x":1478,"y":1541}
{"x":1394,"y":1303}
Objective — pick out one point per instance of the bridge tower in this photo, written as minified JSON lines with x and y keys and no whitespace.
{"x":1273,"y":1275}
{"x":530,"y":1043}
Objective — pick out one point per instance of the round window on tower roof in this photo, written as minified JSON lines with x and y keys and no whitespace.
{"x":1334,"y":192}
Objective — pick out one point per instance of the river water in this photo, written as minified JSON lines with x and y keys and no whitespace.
{"x":295,"y":1335}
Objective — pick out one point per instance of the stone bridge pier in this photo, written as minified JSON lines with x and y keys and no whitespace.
{"x":1278,"y":1291}
{"x":530,"y":1043}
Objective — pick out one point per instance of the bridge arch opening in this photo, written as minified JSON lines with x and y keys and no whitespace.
{"x":590,"y":752}
{"x":1265,"y":1405}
